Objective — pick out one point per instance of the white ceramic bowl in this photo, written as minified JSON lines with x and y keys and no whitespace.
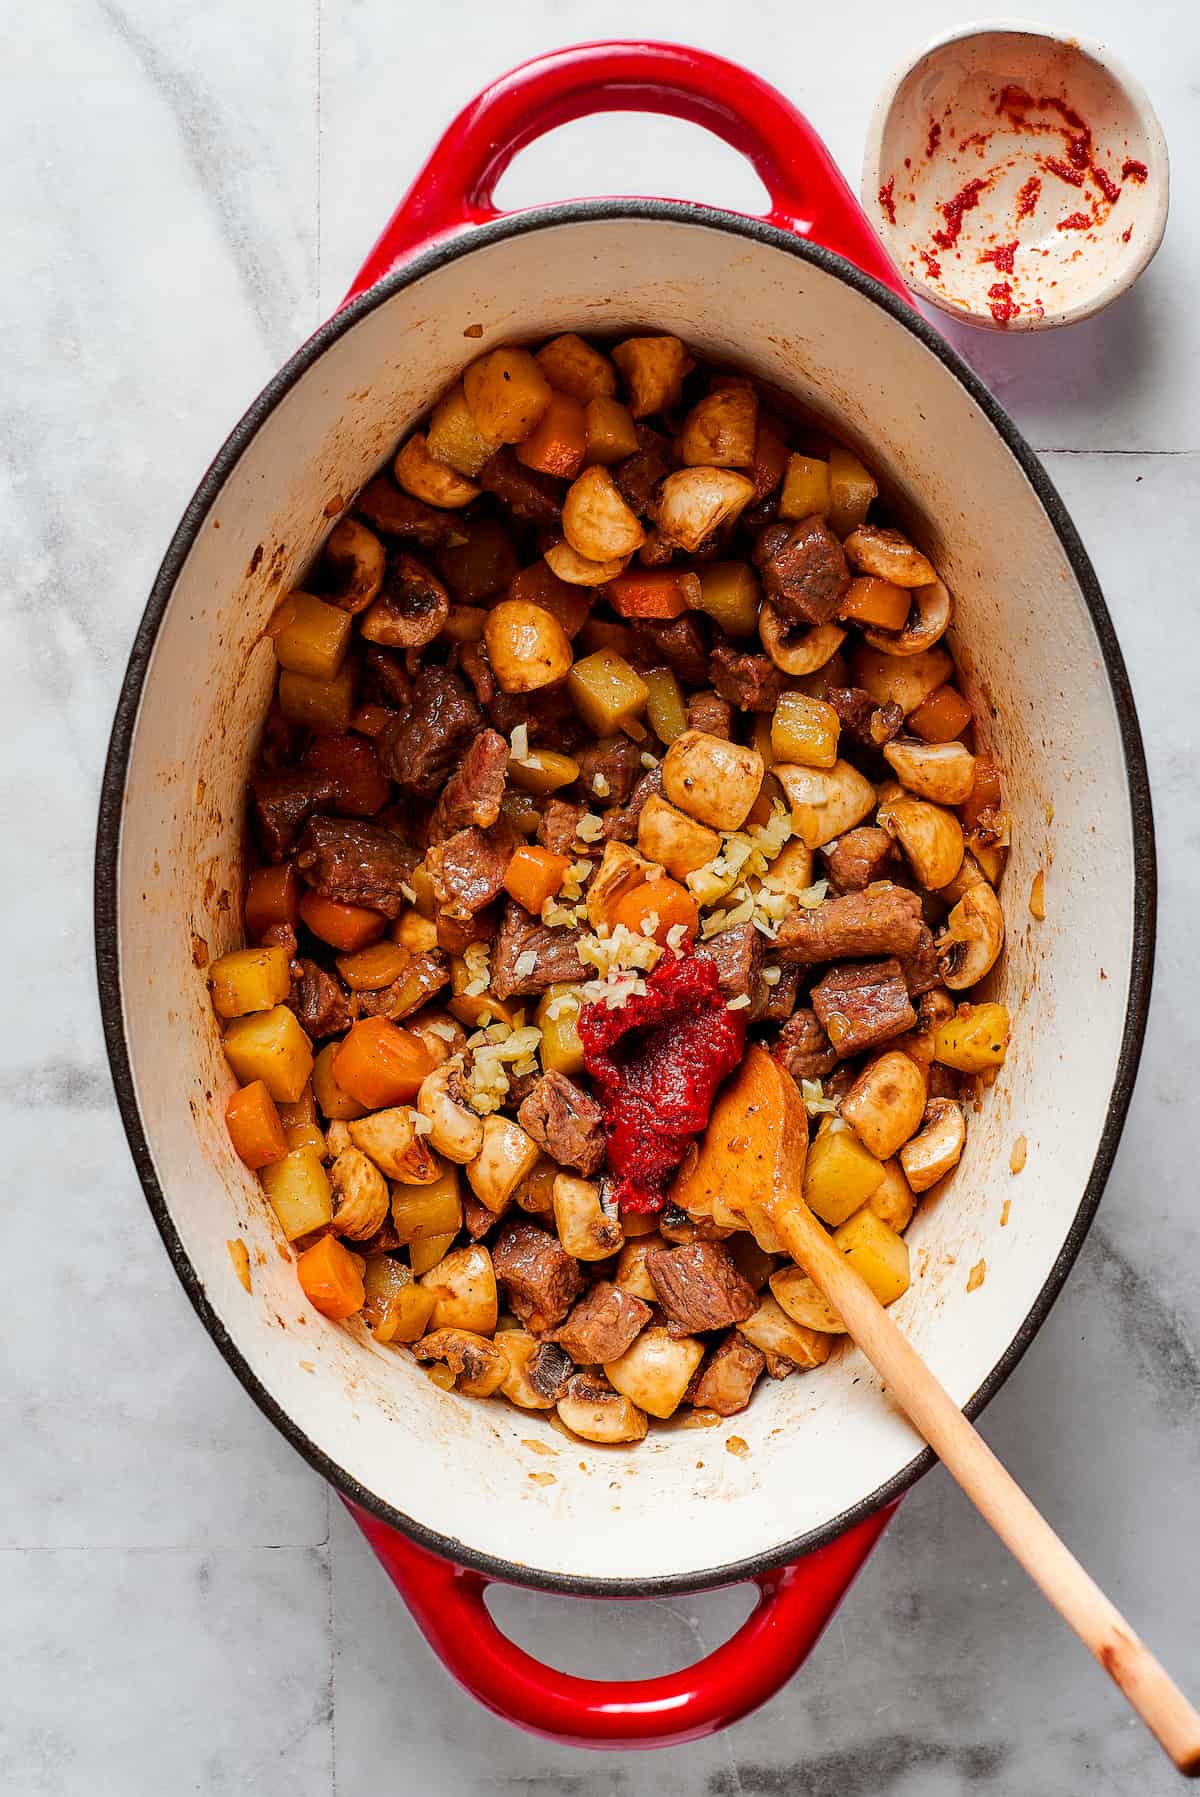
{"x":1055,"y":156}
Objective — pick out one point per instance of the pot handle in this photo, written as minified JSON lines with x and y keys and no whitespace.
{"x":808,"y":193}
{"x":795,"y":1602}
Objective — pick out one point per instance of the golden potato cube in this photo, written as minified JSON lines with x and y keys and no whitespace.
{"x":397,"y":1309}
{"x":542,"y":771}
{"x":324,"y":706}
{"x":653,"y":369}
{"x":729,"y":593}
{"x":270,"y":1046}
{"x":839,"y":1174}
{"x":558,"y":1019}
{"x":454,"y":437}
{"x":249,"y":979}
{"x":655,"y":1370}
{"x":571,"y":365}
{"x":427,"y":1253}
{"x":507,"y":393}
{"x":876,"y":1252}
{"x":805,"y":731}
{"x":336,"y":1105}
{"x":426,"y":1213}
{"x":851,"y":490}
{"x":892,"y":1200}
{"x":974,"y":1039}
{"x":311,"y":637}
{"x":805,"y":491}
{"x":611,"y":432}
{"x":665,"y":709}
{"x":299,"y":1192}
{"x":606,"y":692}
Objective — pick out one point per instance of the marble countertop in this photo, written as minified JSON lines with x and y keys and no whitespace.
{"x":182,"y":1607}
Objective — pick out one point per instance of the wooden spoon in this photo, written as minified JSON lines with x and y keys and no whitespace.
{"x":752,"y":1160}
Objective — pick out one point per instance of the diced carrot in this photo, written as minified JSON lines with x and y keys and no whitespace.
{"x":770,"y":460}
{"x":540,"y":585}
{"x":272,"y":897}
{"x":653,"y":593}
{"x":870,"y":600}
{"x":343,"y":926}
{"x":942,"y":717}
{"x":380,"y":1064}
{"x":254,"y":1126}
{"x":534,"y":875}
{"x":371,"y":720}
{"x":331,"y":1278}
{"x":985,"y":794}
{"x":352,"y":764}
{"x":666,"y":900}
{"x":558,"y":441}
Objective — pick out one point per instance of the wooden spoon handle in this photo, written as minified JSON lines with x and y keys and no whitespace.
{"x":996,"y":1495}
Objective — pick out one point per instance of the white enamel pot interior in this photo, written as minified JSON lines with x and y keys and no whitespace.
{"x":1041,"y":663}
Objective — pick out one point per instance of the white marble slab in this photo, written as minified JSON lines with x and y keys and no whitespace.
{"x":188,"y":191}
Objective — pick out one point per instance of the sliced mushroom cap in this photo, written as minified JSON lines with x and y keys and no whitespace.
{"x":478,"y":1364}
{"x":456,"y":1130}
{"x":797,"y":651}
{"x":592,"y":1409}
{"x":942,"y":772}
{"x":930,"y":836}
{"x":411,"y":609}
{"x":930,"y":1155}
{"x":973,"y":937}
{"x":933,"y":607}
{"x":888,"y":555}
{"x":694,"y":502}
{"x":355,"y":562}
{"x":579,"y":570}
{"x":361,"y":1197}
{"x":969,"y":874}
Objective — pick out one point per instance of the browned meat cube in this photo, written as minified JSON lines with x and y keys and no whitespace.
{"x":857,"y":859}
{"x":555,"y":956}
{"x":870,"y":724}
{"x":804,"y":1048}
{"x":560,"y":818}
{"x":420,"y":748}
{"x":534,"y":498}
{"x":678,"y":645}
{"x":539,"y":1278}
{"x":774,"y":1003}
{"x":397,"y":514}
{"x":472,"y":658}
{"x":624,"y":825}
{"x":456,"y":934}
{"x":387,"y":677}
{"x":803,"y":570}
{"x":468,"y":869}
{"x":711,"y":713}
{"x":281,"y":802}
{"x":738,"y":954}
{"x":699,"y":1287}
{"x":280,"y":935}
{"x":607,"y":770}
{"x":637,"y":477}
{"x":472,"y":795}
{"x":726,"y":1383}
{"x":356,"y":863}
{"x":548,"y":715}
{"x":565,"y":1122}
{"x":602,"y":1324}
{"x":477,"y":1218}
{"x":862,"y":1004}
{"x":318,"y":1000}
{"x":749,"y":682}
{"x":883,"y":920}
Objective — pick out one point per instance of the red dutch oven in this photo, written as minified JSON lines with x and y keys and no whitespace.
{"x":454,"y":1494}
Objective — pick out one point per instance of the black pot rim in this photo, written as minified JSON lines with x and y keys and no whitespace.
{"x":108,"y":850}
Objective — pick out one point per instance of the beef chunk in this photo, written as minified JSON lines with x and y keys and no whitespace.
{"x":860,"y":717}
{"x":419,"y":750}
{"x":726,"y":1383}
{"x":804,"y":1048}
{"x":624,"y":827}
{"x":709,"y":712}
{"x":351,"y":765}
{"x":750,"y":682}
{"x":699,"y":1287}
{"x":281,"y":802}
{"x":520,"y":1085}
{"x":538,"y":1276}
{"x":862,"y":1004}
{"x":318,"y":1000}
{"x":356,"y":863}
{"x":280,"y":935}
{"x":678,"y":644}
{"x":397,"y":514}
{"x":803,"y":569}
{"x":920,"y":969}
{"x":674,"y":1225}
{"x":555,"y":956}
{"x":857,"y":859}
{"x":615,"y":763}
{"x":473,"y":660}
{"x":637,"y":477}
{"x":456,"y":934}
{"x":883,"y":920}
{"x":548,"y":1369}
{"x":424,"y":975}
{"x":738,"y":954}
{"x":477,"y":1218}
{"x":473,"y":794}
{"x":548,"y":715}
{"x":387,"y":677}
{"x":602,"y":1325}
{"x":534,"y":498}
{"x":564,"y":1122}
{"x":468,"y":868}
{"x":774,"y":1002}
{"x":556,"y":831}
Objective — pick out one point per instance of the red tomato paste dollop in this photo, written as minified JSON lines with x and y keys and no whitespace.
{"x":657,"y":1061}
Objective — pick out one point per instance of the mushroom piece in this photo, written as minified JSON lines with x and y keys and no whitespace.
{"x":886,"y":1103}
{"x":456,"y":1131}
{"x":933,"y":608}
{"x":579,"y":570}
{"x":479,"y":1365}
{"x":392,"y":1140}
{"x":594,"y":1411}
{"x":355,"y":561}
{"x":506,"y":1155}
{"x":410,"y":610}
{"x":360,"y":1195}
{"x":903,"y":680}
{"x":930,"y":836}
{"x":969,"y":874}
{"x":825,"y":801}
{"x":973,"y":937}
{"x":463,"y":1284}
{"x":929,"y":1156}
{"x":797,"y":652}
{"x":520,"y":1349}
{"x":805,"y":1302}
{"x":584,"y":1227}
{"x":430,"y":480}
{"x":656,"y":1369}
{"x":888,"y":555}
{"x":719,"y":430}
{"x":694,"y":502}
{"x":942,"y":772}
{"x":596,"y":521}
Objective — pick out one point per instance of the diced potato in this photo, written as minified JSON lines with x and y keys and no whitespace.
{"x":786,"y":1344}
{"x":840,"y":1174}
{"x":249,"y":979}
{"x":596,"y":520}
{"x":666,"y":712}
{"x":558,"y":1019}
{"x":455,"y":438}
{"x":428,"y":1252}
{"x":584,"y":1228}
{"x":390,"y":1138}
{"x":805,"y":1302}
{"x":729,"y":594}
{"x":675,"y":840}
{"x":974,"y":1039}
{"x":305,"y":1135}
{"x":611,"y":432}
{"x":336,"y":1105}
{"x":695,"y":502}
{"x":324,"y":706}
{"x":543,"y":771}
{"x":299,"y":1192}
{"x":719,"y":430}
{"x":397,"y":1308}
{"x":594,"y":1412}
{"x":311,"y":637}
{"x":372,"y":968}
{"x":851,"y":490}
{"x":632,"y":1274}
{"x":892,"y":1200}
{"x":653,"y":369}
{"x":471,"y":1008}
{"x":506,"y":1156}
{"x":791,"y":871}
{"x":876,"y":1252}
{"x":464,"y":1291}
{"x":655,"y":1370}
{"x":518,"y":1348}
{"x":607,"y":633}
{"x":527,"y":646}
{"x":885,"y":1104}
{"x":805,"y":488}
{"x":825,"y":802}
{"x":903,"y":680}
{"x":421,"y":474}
{"x":805,"y":731}
{"x":270,"y":1046}
{"x":507,"y":393}
{"x":579,"y":570}
{"x":712,"y":780}
{"x":607,"y":693}
{"x":572,"y":366}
